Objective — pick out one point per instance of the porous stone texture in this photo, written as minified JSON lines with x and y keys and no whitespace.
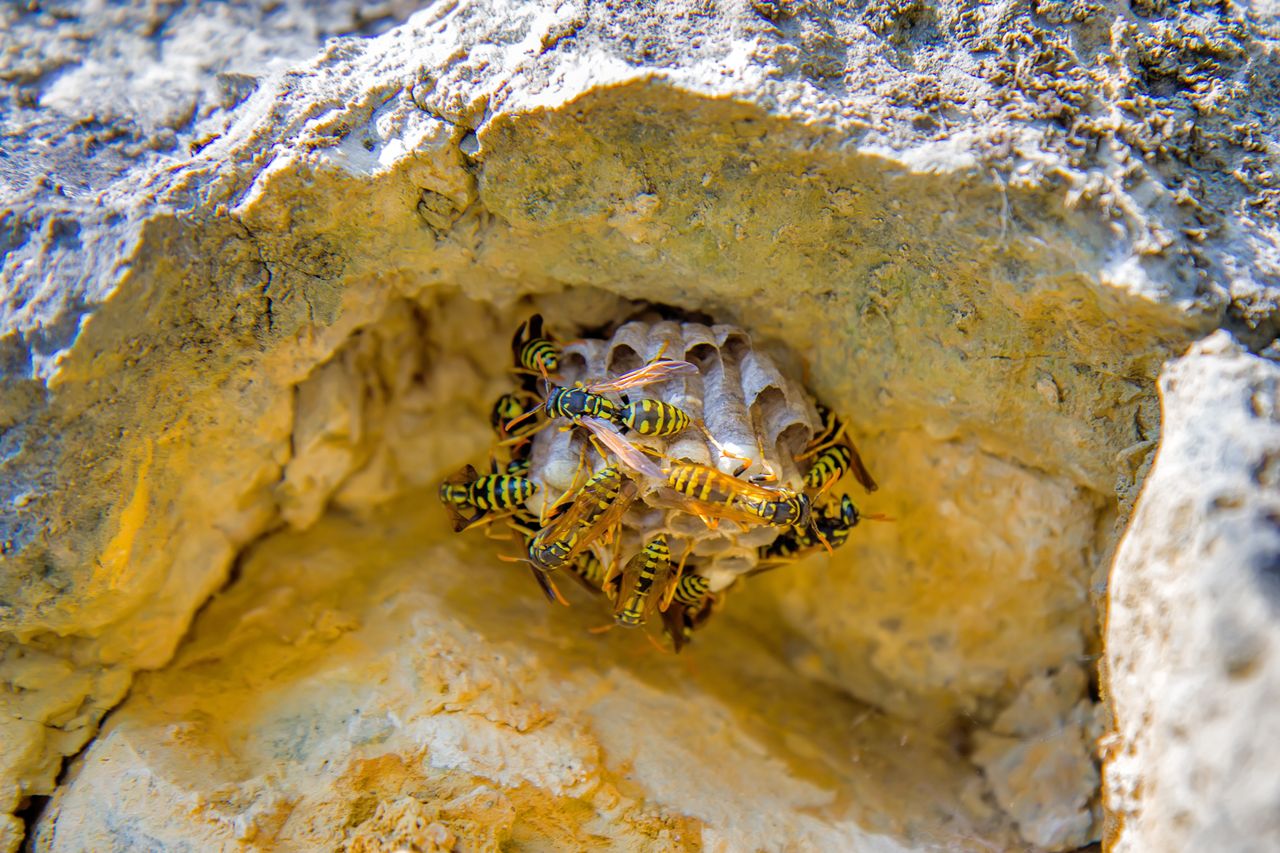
{"x":1192,"y":628}
{"x":984,"y":226}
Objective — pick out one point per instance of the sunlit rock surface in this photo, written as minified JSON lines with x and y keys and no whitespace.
{"x":369,"y":674}
{"x":1192,"y":631}
{"x":231,"y":303}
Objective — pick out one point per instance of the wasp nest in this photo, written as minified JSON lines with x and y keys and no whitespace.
{"x":760,"y":419}
{"x":680,"y":449}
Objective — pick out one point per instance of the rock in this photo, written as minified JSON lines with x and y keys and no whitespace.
{"x":985,"y":228}
{"x":1192,"y":632}
{"x":373,"y":683}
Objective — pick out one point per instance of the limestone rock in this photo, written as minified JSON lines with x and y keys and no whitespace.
{"x":1192,"y":629}
{"x":375,"y":682}
{"x":240,"y":294}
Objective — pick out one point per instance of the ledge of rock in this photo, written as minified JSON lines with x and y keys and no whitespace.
{"x":1192,"y":628}
{"x":257,"y":302}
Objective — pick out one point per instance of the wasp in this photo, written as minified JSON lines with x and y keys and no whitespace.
{"x":635,"y":600}
{"x":590,"y":570}
{"x":597,"y":506}
{"x":712,"y":494}
{"x":586,"y":405}
{"x":587,"y":400}
{"x":573,"y":525}
{"x":692,"y":590}
{"x":534,"y":354}
{"x":652,"y":417}
{"x":833,"y":455}
{"x":512,"y":408}
{"x":492,"y":492}
{"x":831,"y":527}
{"x":691,"y":606}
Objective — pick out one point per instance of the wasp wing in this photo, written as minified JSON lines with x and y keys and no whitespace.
{"x":655,"y":371}
{"x":628,"y":454}
{"x":860,"y":472}
{"x":460,"y":522}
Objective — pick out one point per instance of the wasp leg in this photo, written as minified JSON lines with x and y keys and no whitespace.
{"x":725,"y":452}
{"x":468,"y":523}
{"x":661,"y":648}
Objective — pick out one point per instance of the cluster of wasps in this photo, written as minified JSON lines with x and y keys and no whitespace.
{"x":578,"y":533}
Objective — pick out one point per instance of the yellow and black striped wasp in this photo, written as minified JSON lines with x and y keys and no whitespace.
{"x":833,"y":455}
{"x":509,"y":410}
{"x":495,"y":492}
{"x":711,"y":494}
{"x":691,"y":606}
{"x":576,"y":522}
{"x":583,"y":401}
{"x":585,"y":405}
{"x":635,"y":598}
{"x":535,"y":355}
{"x":832,"y":524}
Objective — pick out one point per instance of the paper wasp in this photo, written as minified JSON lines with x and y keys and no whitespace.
{"x":635,"y":599}
{"x":534,"y":354}
{"x":492,"y":492}
{"x":832,"y":524}
{"x":586,"y":405}
{"x":594,"y":509}
{"x":712,"y":494}
{"x":512,"y":408}
{"x":691,"y":606}
{"x":833,"y":455}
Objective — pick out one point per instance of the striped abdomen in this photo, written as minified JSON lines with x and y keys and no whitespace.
{"x":654,"y":559}
{"x":828,"y":467}
{"x":575,"y":403}
{"x":653,"y":417}
{"x":691,"y":590}
{"x":588,"y":567}
{"x":702,"y":483}
{"x":493,"y":492}
{"x":540,"y":356}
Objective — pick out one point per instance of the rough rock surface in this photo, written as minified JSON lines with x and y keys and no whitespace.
{"x":1192,"y":629}
{"x":984,"y":225}
{"x":361,"y":688}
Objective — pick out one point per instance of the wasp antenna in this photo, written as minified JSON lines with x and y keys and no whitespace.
{"x":661,"y":648}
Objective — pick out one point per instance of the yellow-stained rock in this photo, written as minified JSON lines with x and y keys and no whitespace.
{"x":365,"y":685}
